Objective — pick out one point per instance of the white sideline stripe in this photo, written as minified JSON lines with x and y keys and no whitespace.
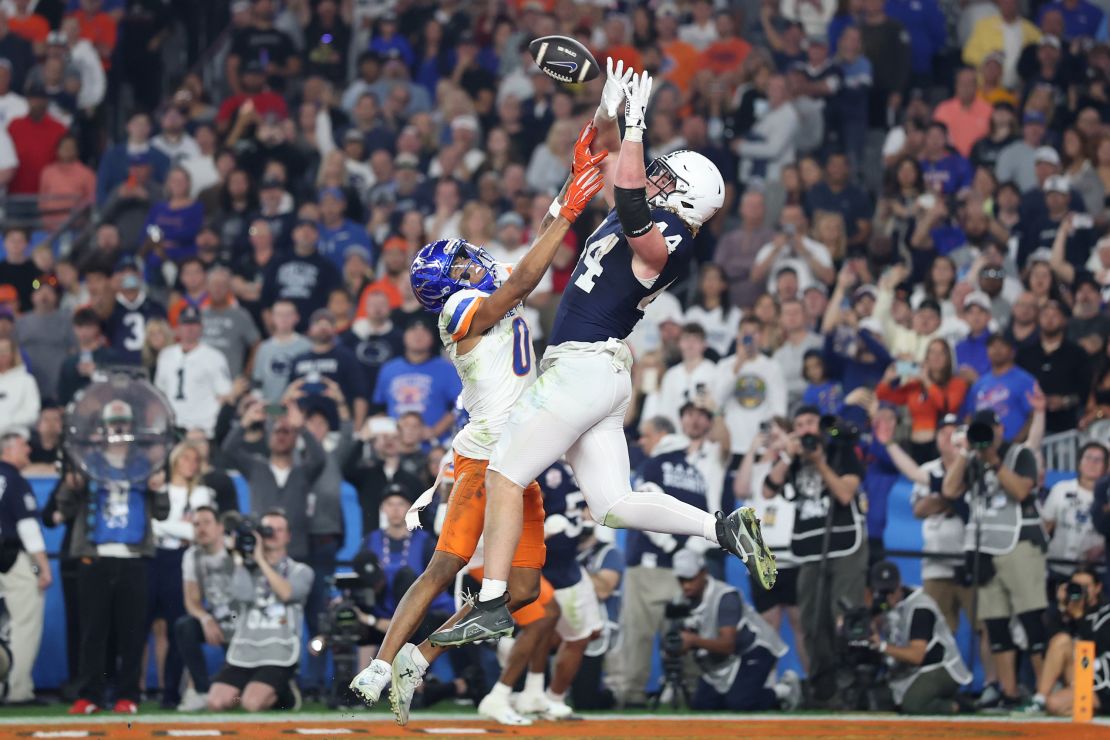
{"x":194,"y":733}
{"x":356,"y":720}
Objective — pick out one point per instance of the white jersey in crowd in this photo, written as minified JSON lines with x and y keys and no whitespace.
{"x":193,"y":382}
{"x":939,"y":532}
{"x":1069,"y":506}
{"x":494,"y":373}
{"x":748,"y":395}
{"x":176,"y":530}
{"x":776,"y":516}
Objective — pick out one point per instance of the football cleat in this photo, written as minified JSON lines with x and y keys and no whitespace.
{"x":406,"y":677}
{"x":497,"y":708}
{"x":488,"y":620}
{"x":739,"y":533}
{"x":370,"y":681}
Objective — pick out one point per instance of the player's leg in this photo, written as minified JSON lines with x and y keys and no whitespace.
{"x":580,"y":623}
{"x":531,"y":641}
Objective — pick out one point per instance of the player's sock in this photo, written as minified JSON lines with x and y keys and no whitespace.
{"x":782,"y":691}
{"x":709,"y":529}
{"x":501,"y":691}
{"x":492,"y":589}
{"x":557,"y":698}
{"x":419,"y":659}
{"x":533,"y":683}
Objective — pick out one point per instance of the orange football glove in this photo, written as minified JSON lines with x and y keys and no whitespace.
{"x":582,"y":157}
{"x":584,"y":187}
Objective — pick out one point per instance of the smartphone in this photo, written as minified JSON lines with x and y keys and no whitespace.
{"x":313,"y":385}
{"x":907,"y":368}
{"x":274,"y":409}
{"x":926,"y":201}
{"x":699,"y":389}
{"x":1082,"y":221}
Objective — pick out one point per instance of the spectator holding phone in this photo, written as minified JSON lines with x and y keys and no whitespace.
{"x":328,"y":359}
{"x":749,"y":387}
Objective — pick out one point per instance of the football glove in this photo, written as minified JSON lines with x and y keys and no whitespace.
{"x":583,"y":188}
{"x":637,"y":94}
{"x":612,"y":95}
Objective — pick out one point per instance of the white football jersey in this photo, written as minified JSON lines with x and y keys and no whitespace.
{"x":494,"y":373}
{"x":193,"y":382}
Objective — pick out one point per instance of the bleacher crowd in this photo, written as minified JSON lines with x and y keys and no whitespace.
{"x":915,"y":240}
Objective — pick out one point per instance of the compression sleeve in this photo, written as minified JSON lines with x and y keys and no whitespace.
{"x":30,"y":535}
{"x":632,"y":210}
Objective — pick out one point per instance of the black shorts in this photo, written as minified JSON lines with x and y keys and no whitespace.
{"x":276,"y":677}
{"x":785,"y":592}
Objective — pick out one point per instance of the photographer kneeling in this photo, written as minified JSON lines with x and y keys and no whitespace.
{"x":1083,"y":615}
{"x":1004,"y":542}
{"x":734,"y":648}
{"x":912,"y":636}
{"x":270,"y":589}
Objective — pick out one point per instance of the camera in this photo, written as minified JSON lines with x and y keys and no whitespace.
{"x":247,"y":531}
{"x":980,"y":436}
{"x":810,"y":442}
{"x":1076,"y":592}
{"x":675,"y":614}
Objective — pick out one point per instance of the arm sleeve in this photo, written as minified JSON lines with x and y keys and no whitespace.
{"x":729,"y":611}
{"x":31,"y":535}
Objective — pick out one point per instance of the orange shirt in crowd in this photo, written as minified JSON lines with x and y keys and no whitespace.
{"x":625,"y":53}
{"x":726,"y":55}
{"x":684,"y":60}
{"x":180,"y":305}
{"x":965,"y":125}
{"x":382,"y":285}
{"x":32,"y":27}
{"x":99,"y":29}
{"x":926,"y":406}
{"x":64,"y":187}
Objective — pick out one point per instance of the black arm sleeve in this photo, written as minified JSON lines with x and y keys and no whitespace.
{"x":632,"y":210}
{"x":921,"y":625}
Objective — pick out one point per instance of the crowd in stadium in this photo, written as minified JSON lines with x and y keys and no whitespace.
{"x":908,"y":279}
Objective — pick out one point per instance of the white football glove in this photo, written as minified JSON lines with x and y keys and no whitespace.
{"x":637,"y":94}
{"x":612,"y":95}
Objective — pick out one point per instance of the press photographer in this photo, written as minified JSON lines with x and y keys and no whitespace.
{"x":1082,"y":615}
{"x":820,"y":473}
{"x":911,"y":636}
{"x":269,"y":589}
{"x":734,"y":648}
{"x":1004,"y":541}
{"x":206,"y":571}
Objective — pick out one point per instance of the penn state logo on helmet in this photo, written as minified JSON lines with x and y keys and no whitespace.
{"x":431,"y":272}
{"x":689,"y":185}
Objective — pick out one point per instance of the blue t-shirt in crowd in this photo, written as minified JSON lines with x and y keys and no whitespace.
{"x":334,"y":242}
{"x":1082,"y":21}
{"x":429,"y":389}
{"x":850,"y":202}
{"x":1007,"y":394}
{"x":924,"y":22}
{"x":827,"y":396}
{"x":561,"y":497}
{"x":878,"y":481}
{"x":951,"y":173}
{"x":972,"y":352}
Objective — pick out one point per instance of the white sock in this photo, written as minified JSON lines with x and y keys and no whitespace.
{"x":1039,"y":699}
{"x":501,"y":691}
{"x":533,"y":683}
{"x":381,"y":664}
{"x":419,"y":659}
{"x":492,"y":589}
{"x":781,"y":690}
{"x":709,"y":529}
{"x":556,"y":698}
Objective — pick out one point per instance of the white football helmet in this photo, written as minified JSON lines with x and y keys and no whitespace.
{"x":689,"y":185}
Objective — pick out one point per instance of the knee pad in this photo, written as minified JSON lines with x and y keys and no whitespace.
{"x":1035,"y":631}
{"x":998,"y":632}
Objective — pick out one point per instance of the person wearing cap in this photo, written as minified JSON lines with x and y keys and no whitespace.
{"x":328,"y":359}
{"x":1082,"y":20}
{"x":1007,"y":389}
{"x":1018,"y":162}
{"x":824,"y":482}
{"x":965,"y":115}
{"x":131,"y":311}
{"x":734,"y":648}
{"x":1089,"y":326}
{"x":35,"y":138}
{"x":913,"y":639}
{"x":736,"y":250}
{"x":971,"y":351}
{"x":115,"y":163}
{"x":749,"y":386}
{"x":836,"y":193}
{"x":337,"y":232}
{"x":259,"y":672}
{"x":993,"y":32}
{"x":649,"y":555}
{"x":791,"y":247}
{"x":25,"y":572}
{"x":227,"y":325}
{"x":46,"y":336}
{"x":17,"y":270}
{"x":945,"y":171}
{"x":192,"y":375}
{"x":1004,"y":540}
{"x":173,"y":140}
{"x":1060,"y":367}
{"x":304,"y":277}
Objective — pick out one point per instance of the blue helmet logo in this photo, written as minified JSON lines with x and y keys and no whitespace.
{"x":431,"y":278}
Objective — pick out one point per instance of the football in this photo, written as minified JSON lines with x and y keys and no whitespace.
{"x":564,"y":59}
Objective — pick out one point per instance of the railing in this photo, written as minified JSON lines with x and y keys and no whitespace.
{"x":37,"y":212}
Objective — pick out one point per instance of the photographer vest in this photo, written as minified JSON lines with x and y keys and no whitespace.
{"x":1003,"y":521}
{"x":593,"y":561}
{"x":766,"y":636}
{"x":898,"y":621}
{"x":811,"y":499}
{"x":719,"y":671}
{"x":269,"y":631}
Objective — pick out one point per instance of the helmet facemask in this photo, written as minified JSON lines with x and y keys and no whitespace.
{"x":671,"y":187}
{"x":466,"y":260}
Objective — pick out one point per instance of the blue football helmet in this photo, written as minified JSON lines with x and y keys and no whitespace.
{"x":431,"y":271}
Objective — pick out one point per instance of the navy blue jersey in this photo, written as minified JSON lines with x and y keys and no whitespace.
{"x":604,"y":299}
{"x":671,"y":473}
{"x":562,"y":497}
{"x":17,"y":501}
{"x":126,"y":328}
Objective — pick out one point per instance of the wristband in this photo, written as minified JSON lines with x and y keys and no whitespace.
{"x":785,"y":459}
{"x":634,"y":134}
{"x":554,"y":208}
{"x":206,"y":619}
{"x":882,"y":646}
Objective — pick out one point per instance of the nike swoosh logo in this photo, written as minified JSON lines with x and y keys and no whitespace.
{"x":570,"y":66}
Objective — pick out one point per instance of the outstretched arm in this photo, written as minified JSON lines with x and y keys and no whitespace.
{"x":526,"y":275}
{"x":630,"y":185}
{"x":605,"y":119}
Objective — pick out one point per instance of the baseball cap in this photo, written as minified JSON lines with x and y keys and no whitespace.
{"x":863,"y":291}
{"x":271,"y":183}
{"x":353,"y":134}
{"x":819,"y":287}
{"x":117,"y":411}
{"x":138,"y":159}
{"x":1046,"y":154}
{"x":356,"y":250}
{"x":395,"y":242}
{"x":467,"y":121}
{"x":1043,"y":254}
{"x":995,"y":56}
{"x":697,"y":407}
{"x":56,"y":38}
{"x":406,"y":160}
{"x":687,"y":563}
{"x":1050,"y":40}
{"x":1086,"y":278}
{"x":130,"y":282}
{"x":510,"y":218}
{"x":885,"y":576}
{"x":978,"y":298}
{"x":35,"y":89}
{"x":395,"y":489}
{"x":189,"y":315}
{"x":1034,"y":116}
{"x":332,"y":192}
{"x":253,"y":66}
{"x":1056,"y":183}
{"x":306,"y":222}
{"x":992,"y":273}
{"x":321,"y":314}
{"x":126,"y":263}
{"x":8,"y":293}
{"x":986,"y":416}
{"x":950,"y":420}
